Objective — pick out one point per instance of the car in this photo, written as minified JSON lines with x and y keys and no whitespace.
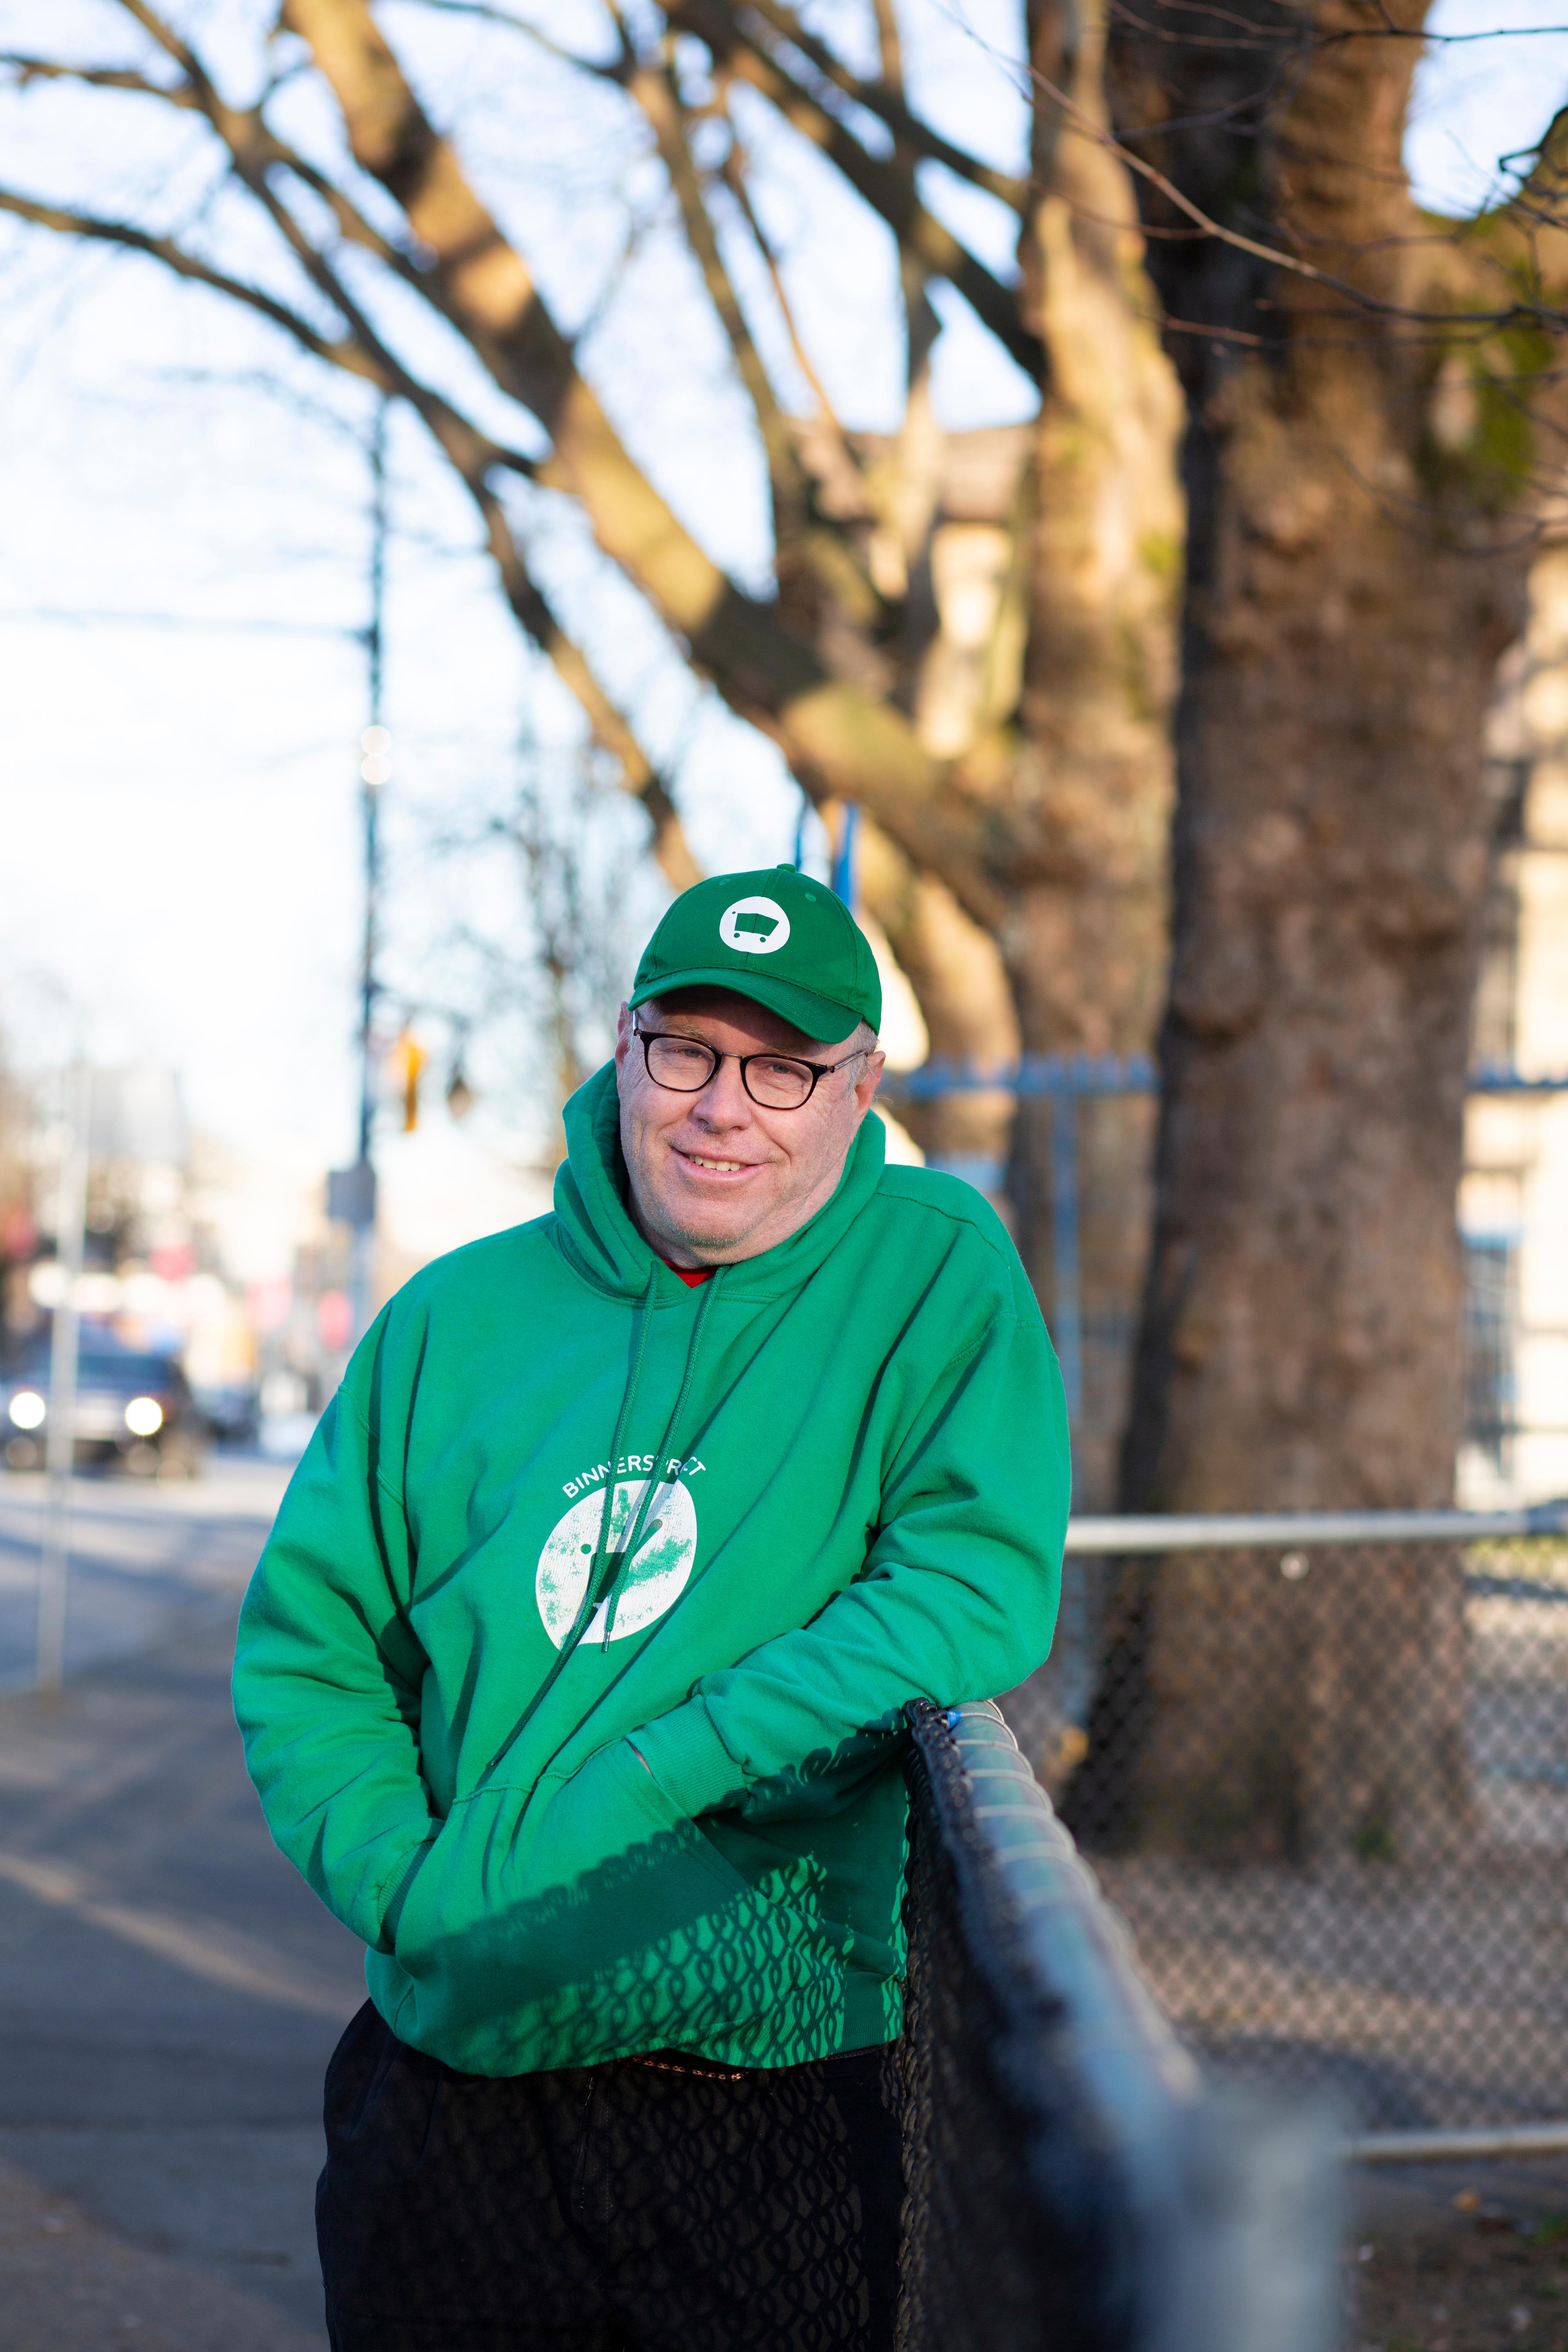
{"x":229,"y":1410}
{"x":132,"y":1407}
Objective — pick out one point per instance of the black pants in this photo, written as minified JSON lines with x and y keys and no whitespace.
{"x":647,"y":2206}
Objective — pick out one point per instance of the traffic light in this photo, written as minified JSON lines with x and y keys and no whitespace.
{"x":407,"y":1060}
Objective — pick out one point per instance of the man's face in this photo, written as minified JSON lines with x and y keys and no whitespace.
{"x":715,"y":1176}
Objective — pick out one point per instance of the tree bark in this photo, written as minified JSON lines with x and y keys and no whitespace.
{"x":1350,"y":586}
{"x":1088,"y":935}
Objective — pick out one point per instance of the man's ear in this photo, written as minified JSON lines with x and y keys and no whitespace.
{"x":869,"y":1079}
{"x":624,"y":1035}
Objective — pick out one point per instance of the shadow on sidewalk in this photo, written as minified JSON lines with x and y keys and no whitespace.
{"x":172,"y":1992}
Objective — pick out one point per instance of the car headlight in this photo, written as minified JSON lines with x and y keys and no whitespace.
{"x":143,"y":1416}
{"x":28,"y":1409}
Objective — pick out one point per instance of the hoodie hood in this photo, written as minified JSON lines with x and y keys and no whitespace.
{"x":596,"y":1235}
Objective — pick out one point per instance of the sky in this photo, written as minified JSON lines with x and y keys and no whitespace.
{"x":184,"y":527}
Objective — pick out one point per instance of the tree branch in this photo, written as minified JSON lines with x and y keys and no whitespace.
{"x":883,"y":100}
{"x":252,"y":148}
{"x":610,"y":729}
{"x":890,"y":47}
{"x":28,"y":69}
{"x":804,"y":544}
{"x":503,"y":17}
{"x":246,"y":132}
{"x":472,"y":456}
{"x":341,"y":353}
{"x":886,"y":187}
{"x":1528,"y":235}
{"x":840,"y":740}
{"x":1086,"y":127}
{"x":734,"y":178}
{"x":172,"y":45}
{"x":655,"y":91}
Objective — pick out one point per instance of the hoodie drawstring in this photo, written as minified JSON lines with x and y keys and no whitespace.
{"x":660,"y":1460}
{"x":617,"y":1560}
{"x":601,"y":1552}
{"x":590,"y":1595}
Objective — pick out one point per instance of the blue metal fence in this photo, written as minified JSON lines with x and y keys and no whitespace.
{"x":1064,"y":1080}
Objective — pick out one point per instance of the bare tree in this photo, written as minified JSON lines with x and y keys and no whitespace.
{"x":545,"y":984}
{"x":971,"y":638}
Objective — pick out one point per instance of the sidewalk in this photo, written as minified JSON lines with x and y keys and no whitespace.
{"x":170,"y":1993}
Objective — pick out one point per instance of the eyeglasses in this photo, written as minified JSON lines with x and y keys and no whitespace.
{"x":777,"y":1081}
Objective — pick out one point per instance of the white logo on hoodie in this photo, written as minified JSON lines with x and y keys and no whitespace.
{"x":647,"y":1584}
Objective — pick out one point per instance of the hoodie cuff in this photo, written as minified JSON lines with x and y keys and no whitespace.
{"x":689,"y":1760}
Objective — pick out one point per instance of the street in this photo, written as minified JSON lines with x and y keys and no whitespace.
{"x":171,"y":1990}
{"x":144,"y":1555}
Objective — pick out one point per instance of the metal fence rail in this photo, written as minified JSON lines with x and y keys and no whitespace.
{"x":1069,"y":1082}
{"x":1320,"y":1764}
{"x":1070,"y":2186}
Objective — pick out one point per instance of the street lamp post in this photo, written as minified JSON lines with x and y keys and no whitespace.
{"x":60,"y":1446}
{"x":352,"y":1191}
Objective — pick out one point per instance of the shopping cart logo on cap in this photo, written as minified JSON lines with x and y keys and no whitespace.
{"x":755,"y":926}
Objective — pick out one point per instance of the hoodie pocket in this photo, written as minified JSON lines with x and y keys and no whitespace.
{"x":590,"y":1918}
{"x":527,"y":1893}
{"x":648,"y":1800}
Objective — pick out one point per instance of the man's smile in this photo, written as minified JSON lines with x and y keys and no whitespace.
{"x":713,"y":1166}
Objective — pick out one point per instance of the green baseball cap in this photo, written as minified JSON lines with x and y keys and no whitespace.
{"x":776,"y":936}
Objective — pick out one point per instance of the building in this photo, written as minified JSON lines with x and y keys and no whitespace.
{"x":1513,"y":1202}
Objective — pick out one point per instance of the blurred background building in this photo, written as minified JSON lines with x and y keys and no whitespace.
{"x":1514,"y":1199}
{"x":232,"y":1266}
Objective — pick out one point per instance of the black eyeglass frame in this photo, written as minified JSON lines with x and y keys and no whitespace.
{"x":818,"y":1069}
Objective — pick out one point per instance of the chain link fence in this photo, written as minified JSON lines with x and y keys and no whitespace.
{"x":1321,"y":1768}
{"x":1069,"y":2181}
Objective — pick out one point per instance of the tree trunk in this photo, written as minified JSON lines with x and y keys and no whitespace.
{"x":961,"y":984}
{"x":1283,"y":1706}
{"x":1035,"y":653}
{"x":1038,"y":655}
{"x":1349,"y":590}
{"x":1086,"y":942}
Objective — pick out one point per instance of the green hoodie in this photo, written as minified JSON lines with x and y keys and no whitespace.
{"x":589,"y":1783}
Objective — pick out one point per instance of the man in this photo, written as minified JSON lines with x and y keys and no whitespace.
{"x":572,"y":1678}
